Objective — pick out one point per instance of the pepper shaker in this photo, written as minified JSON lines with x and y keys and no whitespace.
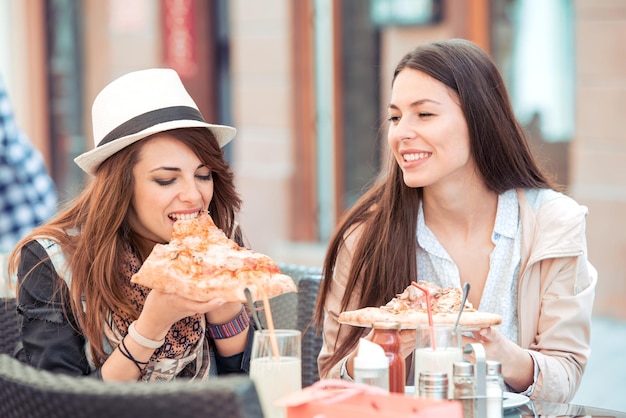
{"x":433,"y":385}
{"x":463,"y":377}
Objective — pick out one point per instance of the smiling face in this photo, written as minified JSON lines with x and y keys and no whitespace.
{"x":170,"y":183}
{"x":428,"y":134}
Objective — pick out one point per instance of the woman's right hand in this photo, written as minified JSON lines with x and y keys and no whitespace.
{"x":407,"y":342}
{"x":161,"y":310}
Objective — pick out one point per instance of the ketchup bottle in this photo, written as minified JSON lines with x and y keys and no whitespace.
{"x":387,"y":335}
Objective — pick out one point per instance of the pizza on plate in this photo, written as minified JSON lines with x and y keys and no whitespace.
{"x":201,"y":263}
{"x":410,"y":309}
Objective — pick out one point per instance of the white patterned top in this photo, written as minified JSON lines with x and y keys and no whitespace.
{"x":500,"y":292}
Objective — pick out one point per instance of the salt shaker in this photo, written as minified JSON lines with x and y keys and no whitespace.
{"x":387,"y":335}
{"x":371,"y":365}
{"x":493,"y":388}
{"x":433,"y":385}
{"x":463,"y":378}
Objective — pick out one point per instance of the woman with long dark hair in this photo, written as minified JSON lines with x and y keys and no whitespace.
{"x":463,"y":200}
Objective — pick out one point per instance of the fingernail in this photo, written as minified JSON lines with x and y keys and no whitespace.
{"x":484,"y":331}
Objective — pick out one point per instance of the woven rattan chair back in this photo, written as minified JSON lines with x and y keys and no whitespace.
{"x":9,"y":331}
{"x":28,"y":392}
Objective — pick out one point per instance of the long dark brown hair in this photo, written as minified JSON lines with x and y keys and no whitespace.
{"x":385,"y":257}
{"x":94,"y":256}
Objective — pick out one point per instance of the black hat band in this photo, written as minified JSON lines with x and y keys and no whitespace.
{"x":148,"y":119}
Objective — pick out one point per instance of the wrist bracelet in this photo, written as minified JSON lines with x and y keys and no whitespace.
{"x":126,"y":353}
{"x":141,"y":340}
{"x":235,"y":326}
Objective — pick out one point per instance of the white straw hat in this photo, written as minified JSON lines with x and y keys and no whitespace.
{"x":140,"y":104}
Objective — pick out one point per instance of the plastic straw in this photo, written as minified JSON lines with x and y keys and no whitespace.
{"x":430,"y":315}
{"x":270,"y":324}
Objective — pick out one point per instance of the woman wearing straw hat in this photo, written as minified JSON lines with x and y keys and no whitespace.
{"x":155,"y":161}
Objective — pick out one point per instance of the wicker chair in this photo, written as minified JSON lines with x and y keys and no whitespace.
{"x":9,"y":331}
{"x":311,"y":338}
{"x":28,"y":392}
{"x":285,"y":307}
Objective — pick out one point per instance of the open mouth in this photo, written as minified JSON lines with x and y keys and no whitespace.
{"x":183,"y":216}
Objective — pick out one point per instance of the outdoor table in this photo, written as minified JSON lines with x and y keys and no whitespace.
{"x":549,"y":409}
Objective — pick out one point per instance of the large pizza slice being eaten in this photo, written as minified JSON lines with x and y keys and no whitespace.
{"x":410,"y":309}
{"x":201,"y":263}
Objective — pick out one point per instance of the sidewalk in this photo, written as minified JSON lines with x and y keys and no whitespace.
{"x":604,"y":381}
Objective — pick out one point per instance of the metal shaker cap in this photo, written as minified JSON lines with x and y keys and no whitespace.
{"x":463,"y":368}
{"x":494,"y":368}
{"x":433,"y":379}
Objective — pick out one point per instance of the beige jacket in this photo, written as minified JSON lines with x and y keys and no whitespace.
{"x":556,"y":292}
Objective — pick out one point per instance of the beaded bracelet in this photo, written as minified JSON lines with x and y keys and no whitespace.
{"x":235,"y":326}
{"x":126,"y":353}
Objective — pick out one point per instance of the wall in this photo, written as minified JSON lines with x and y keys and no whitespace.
{"x":261,"y":80}
{"x":598,"y":152}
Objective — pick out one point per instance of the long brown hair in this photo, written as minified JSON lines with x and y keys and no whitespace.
{"x":94,"y":256}
{"x":385,"y":257}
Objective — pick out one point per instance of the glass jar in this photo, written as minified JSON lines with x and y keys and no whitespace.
{"x":387,"y":335}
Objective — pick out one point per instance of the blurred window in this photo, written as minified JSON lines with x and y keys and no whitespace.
{"x":542,"y":64}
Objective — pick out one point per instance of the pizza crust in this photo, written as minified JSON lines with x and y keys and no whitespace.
{"x":411,"y":319}
{"x":201,"y":263}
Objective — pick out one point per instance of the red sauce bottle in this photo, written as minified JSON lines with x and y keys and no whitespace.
{"x":387,"y":335}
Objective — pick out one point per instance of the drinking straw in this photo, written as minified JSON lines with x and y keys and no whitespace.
{"x":270,"y":324}
{"x":430,"y":314}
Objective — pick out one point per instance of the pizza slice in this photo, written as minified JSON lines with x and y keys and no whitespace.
{"x":409,"y":308}
{"x":201,"y":263}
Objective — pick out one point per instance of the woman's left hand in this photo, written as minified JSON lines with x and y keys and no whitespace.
{"x":517,"y":364}
{"x":496,"y":346}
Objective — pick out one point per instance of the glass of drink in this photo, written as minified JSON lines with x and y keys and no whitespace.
{"x":275,"y":367}
{"x":436,"y":350}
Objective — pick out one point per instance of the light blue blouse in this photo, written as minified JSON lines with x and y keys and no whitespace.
{"x":500,"y":292}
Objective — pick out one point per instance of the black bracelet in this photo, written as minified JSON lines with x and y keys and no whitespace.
{"x":126,"y":353}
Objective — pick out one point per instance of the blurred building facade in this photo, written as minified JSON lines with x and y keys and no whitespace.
{"x":306,"y":84}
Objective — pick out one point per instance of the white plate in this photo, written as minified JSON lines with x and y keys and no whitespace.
{"x":463,"y":328}
{"x":509,"y":400}
{"x":513,"y":400}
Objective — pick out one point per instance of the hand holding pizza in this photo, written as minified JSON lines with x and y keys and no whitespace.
{"x":513,"y":358}
{"x":161,"y":310}
{"x":408,"y":339}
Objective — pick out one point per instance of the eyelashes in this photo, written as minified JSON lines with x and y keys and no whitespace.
{"x":206,"y":177}
{"x":167,"y":182}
